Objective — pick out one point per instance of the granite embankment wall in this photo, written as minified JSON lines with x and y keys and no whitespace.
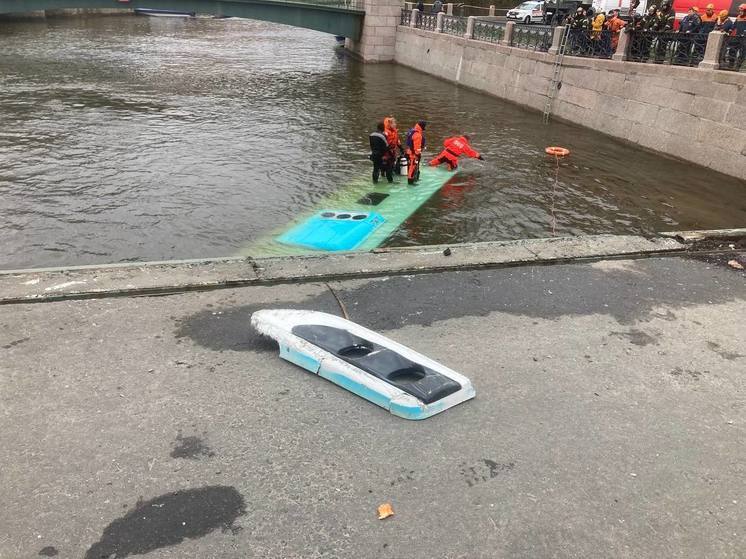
{"x":694,"y":114}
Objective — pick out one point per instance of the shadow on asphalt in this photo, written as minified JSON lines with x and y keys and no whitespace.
{"x":631,"y":291}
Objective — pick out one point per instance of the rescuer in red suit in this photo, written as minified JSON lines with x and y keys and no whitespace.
{"x":455,"y":147}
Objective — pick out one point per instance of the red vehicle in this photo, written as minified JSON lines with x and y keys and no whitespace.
{"x":681,"y":7}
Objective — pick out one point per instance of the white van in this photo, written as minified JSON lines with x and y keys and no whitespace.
{"x":607,"y":5}
{"x":528,"y":12}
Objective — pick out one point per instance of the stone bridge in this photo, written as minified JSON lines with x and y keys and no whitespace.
{"x":368,"y":25}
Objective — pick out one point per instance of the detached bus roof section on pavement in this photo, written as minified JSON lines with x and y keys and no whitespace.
{"x":609,"y":421}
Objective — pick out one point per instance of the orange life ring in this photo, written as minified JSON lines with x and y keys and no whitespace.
{"x":558,"y":151}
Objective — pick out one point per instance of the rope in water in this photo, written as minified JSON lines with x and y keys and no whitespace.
{"x":554,"y":189}
{"x":558,"y":152}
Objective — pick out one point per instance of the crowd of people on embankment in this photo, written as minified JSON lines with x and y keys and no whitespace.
{"x":596,"y":33}
{"x":660,"y":18}
{"x":389,"y":155}
{"x":587,"y":31}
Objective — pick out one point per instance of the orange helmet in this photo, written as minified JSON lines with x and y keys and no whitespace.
{"x":723,"y":13}
{"x":710,"y":6}
{"x":695,"y":9}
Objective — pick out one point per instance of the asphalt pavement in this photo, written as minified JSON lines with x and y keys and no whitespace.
{"x":609,"y":421}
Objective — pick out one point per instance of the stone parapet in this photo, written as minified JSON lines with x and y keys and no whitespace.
{"x":622,"y":48}
{"x":711,"y":60}
{"x":470,"y":27}
{"x":378,"y":40}
{"x":508,"y":37}
{"x":559,"y":32}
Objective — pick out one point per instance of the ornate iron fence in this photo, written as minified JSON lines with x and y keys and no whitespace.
{"x":532,"y":37}
{"x":406,"y":17}
{"x":453,"y":25}
{"x":733,"y":54}
{"x":490,"y":31}
{"x":667,"y":47}
{"x":591,"y":44}
{"x":427,"y":21}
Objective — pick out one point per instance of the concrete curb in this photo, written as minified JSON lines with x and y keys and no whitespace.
{"x":158,"y":278}
{"x":691,"y":237}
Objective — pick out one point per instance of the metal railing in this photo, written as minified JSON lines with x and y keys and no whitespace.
{"x":459,"y":10}
{"x":406,"y":17}
{"x":428,"y":22}
{"x":532,"y":37}
{"x":660,"y":47}
{"x":667,"y":47}
{"x":601,"y":44}
{"x":733,"y":54}
{"x":453,"y":25}
{"x":489,"y":31}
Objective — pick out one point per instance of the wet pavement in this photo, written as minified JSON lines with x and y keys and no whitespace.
{"x":609,"y":421}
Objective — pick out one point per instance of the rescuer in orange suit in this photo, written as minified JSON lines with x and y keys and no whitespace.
{"x":392,"y":137}
{"x":455,"y":146}
{"x":415,"y":144}
{"x":709,"y":18}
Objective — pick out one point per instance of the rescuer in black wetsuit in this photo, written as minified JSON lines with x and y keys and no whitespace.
{"x":379,"y":148}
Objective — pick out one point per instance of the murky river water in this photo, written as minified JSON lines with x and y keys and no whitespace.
{"x":133,"y":138}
